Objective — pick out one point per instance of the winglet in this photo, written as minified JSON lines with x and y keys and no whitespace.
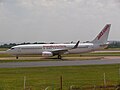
{"x":76,"y":45}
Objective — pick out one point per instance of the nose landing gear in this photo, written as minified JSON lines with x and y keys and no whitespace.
{"x":16,"y":57}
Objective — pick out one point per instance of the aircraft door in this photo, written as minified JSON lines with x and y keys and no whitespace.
{"x":19,"y":50}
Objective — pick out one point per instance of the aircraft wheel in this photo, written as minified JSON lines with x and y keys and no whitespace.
{"x":16,"y":57}
{"x":59,"y":56}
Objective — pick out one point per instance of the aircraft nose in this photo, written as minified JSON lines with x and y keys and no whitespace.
{"x":8,"y":51}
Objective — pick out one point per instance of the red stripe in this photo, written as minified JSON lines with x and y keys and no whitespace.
{"x":103,"y":31}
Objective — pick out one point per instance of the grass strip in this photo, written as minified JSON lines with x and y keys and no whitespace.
{"x":41,"y":77}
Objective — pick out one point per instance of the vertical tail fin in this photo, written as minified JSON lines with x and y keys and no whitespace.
{"x":103,"y":35}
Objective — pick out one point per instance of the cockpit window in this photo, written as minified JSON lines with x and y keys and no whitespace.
{"x":12,"y":48}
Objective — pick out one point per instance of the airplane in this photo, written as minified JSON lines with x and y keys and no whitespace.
{"x":49,"y":50}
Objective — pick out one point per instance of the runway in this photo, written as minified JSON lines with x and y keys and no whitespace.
{"x":58,"y":63}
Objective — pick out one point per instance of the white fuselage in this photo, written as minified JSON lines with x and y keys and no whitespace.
{"x":37,"y":49}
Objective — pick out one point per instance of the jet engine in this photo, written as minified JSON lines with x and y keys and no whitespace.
{"x":47,"y":54}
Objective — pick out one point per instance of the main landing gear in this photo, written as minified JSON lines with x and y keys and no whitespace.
{"x":59,"y":57}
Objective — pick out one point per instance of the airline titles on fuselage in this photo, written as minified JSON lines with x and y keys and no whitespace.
{"x":54,"y":46}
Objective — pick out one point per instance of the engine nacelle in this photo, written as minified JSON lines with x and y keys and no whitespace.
{"x":47,"y":54}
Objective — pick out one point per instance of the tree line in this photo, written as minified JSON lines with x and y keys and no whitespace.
{"x":24,"y":43}
{"x":114,"y":44}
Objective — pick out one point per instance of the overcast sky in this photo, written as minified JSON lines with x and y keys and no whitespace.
{"x":57,"y":20}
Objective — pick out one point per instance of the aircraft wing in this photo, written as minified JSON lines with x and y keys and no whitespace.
{"x":62,"y":51}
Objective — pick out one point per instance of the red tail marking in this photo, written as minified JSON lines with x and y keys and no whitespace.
{"x":102,"y":32}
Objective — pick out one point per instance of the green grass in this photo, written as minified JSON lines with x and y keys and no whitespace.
{"x":3,"y":49}
{"x":41,"y":77}
{"x":94,"y":54}
{"x":5,"y":55}
{"x":112,"y":49}
{"x":102,"y":54}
